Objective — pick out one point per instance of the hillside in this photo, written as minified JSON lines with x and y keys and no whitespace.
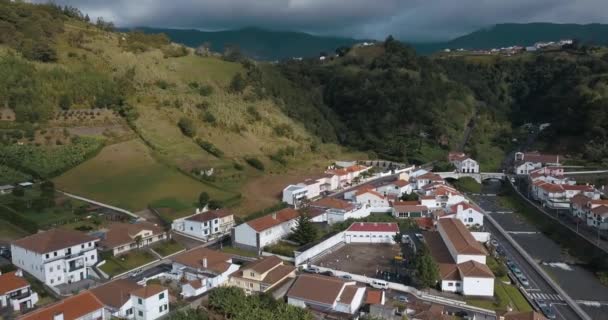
{"x":258,"y":43}
{"x":133,"y":120}
{"x":525,"y":34}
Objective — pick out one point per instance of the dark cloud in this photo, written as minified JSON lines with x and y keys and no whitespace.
{"x":406,"y":19}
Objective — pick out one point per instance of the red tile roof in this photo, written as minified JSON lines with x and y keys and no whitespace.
{"x":401,"y":183}
{"x":148,"y":291}
{"x":430,"y":176}
{"x":374,"y":296}
{"x":53,"y":240}
{"x":376,"y":193}
{"x":268,"y":221}
{"x":461,"y":238}
{"x":72,"y":308}
{"x":116,"y":293}
{"x":424,"y":223}
{"x":578,"y":187}
{"x":210,"y":215}
{"x":465,"y":206}
{"x":552,"y":188}
{"x":410,"y":208}
{"x":11,"y":282}
{"x":333,"y":203}
{"x":600,"y":211}
{"x":374,"y":227}
{"x":580,"y":200}
{"x":124,"y":233}
{"x":539,"y":157}
{"x":216,"y":261}
{"x":317,"y":288}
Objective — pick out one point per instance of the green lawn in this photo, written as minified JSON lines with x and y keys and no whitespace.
{"x":126,"y":262}
{"x":467,"y":184}
{"x":504,"y":296}
{"x":239,"y":252}
{"x":281,"y":248}
{"x":10,"y":232}
{"x":167,"y":247}
{"x":136,"y":179}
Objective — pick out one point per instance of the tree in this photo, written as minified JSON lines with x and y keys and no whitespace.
{"x":18,"y":191}
{"x":426,"y":268}
{"x":204,"y":49}
{"x":187,"y":127}
{"x":398,"y":237}
{"x":409,"y":197}
{"x":305,"y":231}
{"x":47,"y":189}
{"x":190,"y":314}
{"x":238,"y":83}
{"x":203,"y":199}
{"x":138,"y":240}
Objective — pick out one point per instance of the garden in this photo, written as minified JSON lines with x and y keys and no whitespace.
{"x":166,"y":248}
{"x":116,"y":265}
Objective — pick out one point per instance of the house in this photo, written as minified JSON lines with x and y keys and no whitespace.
{"x":123,"y":237}
{"x":469,"y":214}
{"x":202,"y":269}
{"x":263,"y":231}
{"x":150,"y":302}
{"x":371,"y":198}
{"x":337,"y":210}
{"x":429,"y":201}
{"x":519,"y":315}
{"x":262,"y":275}
{"x":373,"y":296}
{"x":427,"y":178}
{"x":326,"y":294}
{"x":205,"y":225}
{"x":463,"y":163}
{"x":56,"y":256}
{"x":559,"y":195}
{"x":529,"y":161}
{"x":397,"y":188}
{"x":409,"y":209}
{"x":578,"y":206}
{"x":116,"y":297}
{"x":347,"y":176}
{"x":371,"y":232}
{"x":460,"y":242}
{"x":433,"y":311}
{"x":598,"y":217}
{"x":15,"y":292}
{"x":83,"y":306}
{"x":293,"y":194}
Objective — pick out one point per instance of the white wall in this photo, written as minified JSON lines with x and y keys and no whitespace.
{"x":469,"y":216}
{"x":372,"y":200}
{"x":470,"y":257}
{"x":246,"y":235}
{"x":312,"y":252}
{"x":451,"y":286}
{"x":276,"y":233}
{"x":368,"y":237}
{"x":478,"y":286}
{"x":148,"y":309}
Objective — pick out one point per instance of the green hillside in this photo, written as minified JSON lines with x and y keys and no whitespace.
{"x":258,"y":43}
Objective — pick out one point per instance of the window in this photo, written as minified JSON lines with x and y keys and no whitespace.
{"x":93,"y":257}
{"x":140,"y":313}
{"x":160,"y":309}
{"x":140,"y":301}
{"x":90,"y":244}
{"x":161,"y":296}
{"x":191,"y":229}
{"x":55,"y":254}
{"x":52,"y":281}
{"x":252,"y":274}
{"x":450,"y":284}
{"x":59,"y":279}
{"x":250,"y":285}
{"x":46,"y":255}
{"x":458,"y":284}
{"x":51,"y":269}
{"x":82,"y":246}
{"x":129,"y":311}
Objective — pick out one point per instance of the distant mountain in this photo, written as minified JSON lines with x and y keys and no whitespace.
{"x":524,"y":34}
{"x":258,"y":43}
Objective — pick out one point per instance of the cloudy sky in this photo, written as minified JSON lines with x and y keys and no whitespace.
{"x":414,"y":20}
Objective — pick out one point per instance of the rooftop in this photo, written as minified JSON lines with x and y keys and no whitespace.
{"x":210,"y":215}
{"x":11,"y":281}
{"x":216,"y":261}
{"x":73,"y":307}
{"x":124,"y":233}
{"x":321,"y":289}
{"x":148,"y":291}
{"x":116,"y":293}
{"x":374,"y":227}
{"x":270,"y":220}
{"x":460,"y":237}
{"x":333,"y":203}
{"x":53,"y":240}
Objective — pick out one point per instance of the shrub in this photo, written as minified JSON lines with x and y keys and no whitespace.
{"x":255,"y":162}
{"x":193,"y":85}
{"x":239,"y":166}
{"x":205,"y":90}
{"x":163,"y":84}
{"x":254,"y":115}
{"x":283,"y":130}
{"x":187,"y":127}
{"x":209,"y":117}
{"x":238,"y":83}
{"x":209,"y":147}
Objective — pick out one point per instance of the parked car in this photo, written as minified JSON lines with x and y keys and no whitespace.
{"x":419,"y":236}
{"x":406,"y":239}
{"x":403,"y":299}
{"x":379,"y":284}
{"x":524,"y":281}
{"x":5,"y":252}
{"x":510,"y":264}
{"x":547,"y":310}
{"x":494,"y":243}
{"x":327,"y":273}
{"x":311,"y":270}
{"x":346,"y":276}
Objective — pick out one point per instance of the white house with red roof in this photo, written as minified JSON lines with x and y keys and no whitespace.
{"x":468,"y":213}
{"x":529,"y":161}
{"x":16,"y":292}
{"x":205,"y":224}
{"x":427,"y":178}
{"x":397,"y":188}
{"x":463,"y":162}
{"x":559,"y":195}
{"x":326,"y":294}
{"x":310,"y":188}
{"x":266,"y":230}
{"x":347,"y":175}
{"x":371,"y":198}
{"x":333,"y":210}
{"x":371,"y":232}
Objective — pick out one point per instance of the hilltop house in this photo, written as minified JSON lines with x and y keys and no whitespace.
{"x":16,"y":292}
{"x":202,"y":269}
{"x":266,"y":230}
{"x":262,"y":275}
{"x":56,"y":256}
{"x":463,"y":163}
{"x":461,"y":259}
{"x":529,"y":161}
{"x":326,"y":294}
{"x":123,"y":237}
{"x":205,"y":225}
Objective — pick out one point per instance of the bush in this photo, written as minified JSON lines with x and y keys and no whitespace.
{"x":283,"y":130}
{"x":209,"y":147}
{"x":239,"y":166}
{"x":254,"y":115}
{"x":238,"y":83}
{"x":209,"y":117}
{"x":205,"y":90}
{"x":187,"y":127}
{"x":255,"y":162}
{"x":163,"y":84}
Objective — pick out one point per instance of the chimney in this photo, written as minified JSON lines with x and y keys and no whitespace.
{"x":58,"y":316}
{"x":205,"y":262}
{"x":18,"y":273}
{"x":274,"y":215}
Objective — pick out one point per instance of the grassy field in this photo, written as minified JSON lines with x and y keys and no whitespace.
{"x":467,"y":184}
{"x":128,"y":176}
{"x":9,"y":232}
{"x":239,"y":252}
{"x":126,"y":262}
{"x":167,"y":247}
{"x":504,"y":296}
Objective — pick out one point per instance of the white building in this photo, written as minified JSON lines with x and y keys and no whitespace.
{"x":116,"y":298}
{"x":205,"y":225}
{"x":396,"y":188}
{"x":202,"y":269}
{"x":461,"y":244}
{"x":529,"y":161}
{"x":326,"y":294}
{"x":463,"y":162}
{"x":371,"y":232}
{"x":371,"y":198}
{"x":469,"y":214}
{"x":56,"y":256}
{"x":150,"y":302}
{"x":16,"y":293}
{"x":427,"y":178}
{"x":266,"y":230}
{"x":83,"y":306}
{"x":311,"y":188}
{"x":336,"y":210}
{"x":121,"y":238}
{"x":262,"y":275}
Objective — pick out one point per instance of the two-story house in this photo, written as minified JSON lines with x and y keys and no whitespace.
{"x":263,"y":231}
{"x":56,"y":256}
{"x":83,"y":306}
{"x":116,"y":298}
{"x":150,"y":302}
{"x":262,"y":275}
{"x":205,"y":225}
{"x":202,"y":269}
{"x":124,"y":237}
{"x":326,"y":294}
{"x":469,"y":214}
{"x":463,"y":162}
{"x":16,"y":292}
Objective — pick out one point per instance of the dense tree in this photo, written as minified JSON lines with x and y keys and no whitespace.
{"x":203,"y":199}
{"x":233,"y":303}
{"x":187,"y":126}
{"x":304,"y":231}
{"x":427,"y":270}
{"x":238,"y":83}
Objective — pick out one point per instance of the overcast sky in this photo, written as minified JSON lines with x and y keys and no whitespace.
{"x":414,"y":20}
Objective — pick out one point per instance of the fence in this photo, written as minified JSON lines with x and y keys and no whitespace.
{"x":315,"y":251}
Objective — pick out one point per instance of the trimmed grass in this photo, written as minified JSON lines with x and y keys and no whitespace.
{"x":467,"y":184}
{"x":504,"y":296}
{"x":57,"y":215}
{"x":167,"y":247}
{"x":281,"y":248}
{"x":239,"y":252}
{"x":128,"y":176}
{"x":126,"y":262}
{"x":10,"y":232}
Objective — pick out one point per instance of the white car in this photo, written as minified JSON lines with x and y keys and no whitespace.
{"x":419,"y":236}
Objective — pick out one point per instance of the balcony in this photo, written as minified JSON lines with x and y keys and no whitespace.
{"x":76,"y":265}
